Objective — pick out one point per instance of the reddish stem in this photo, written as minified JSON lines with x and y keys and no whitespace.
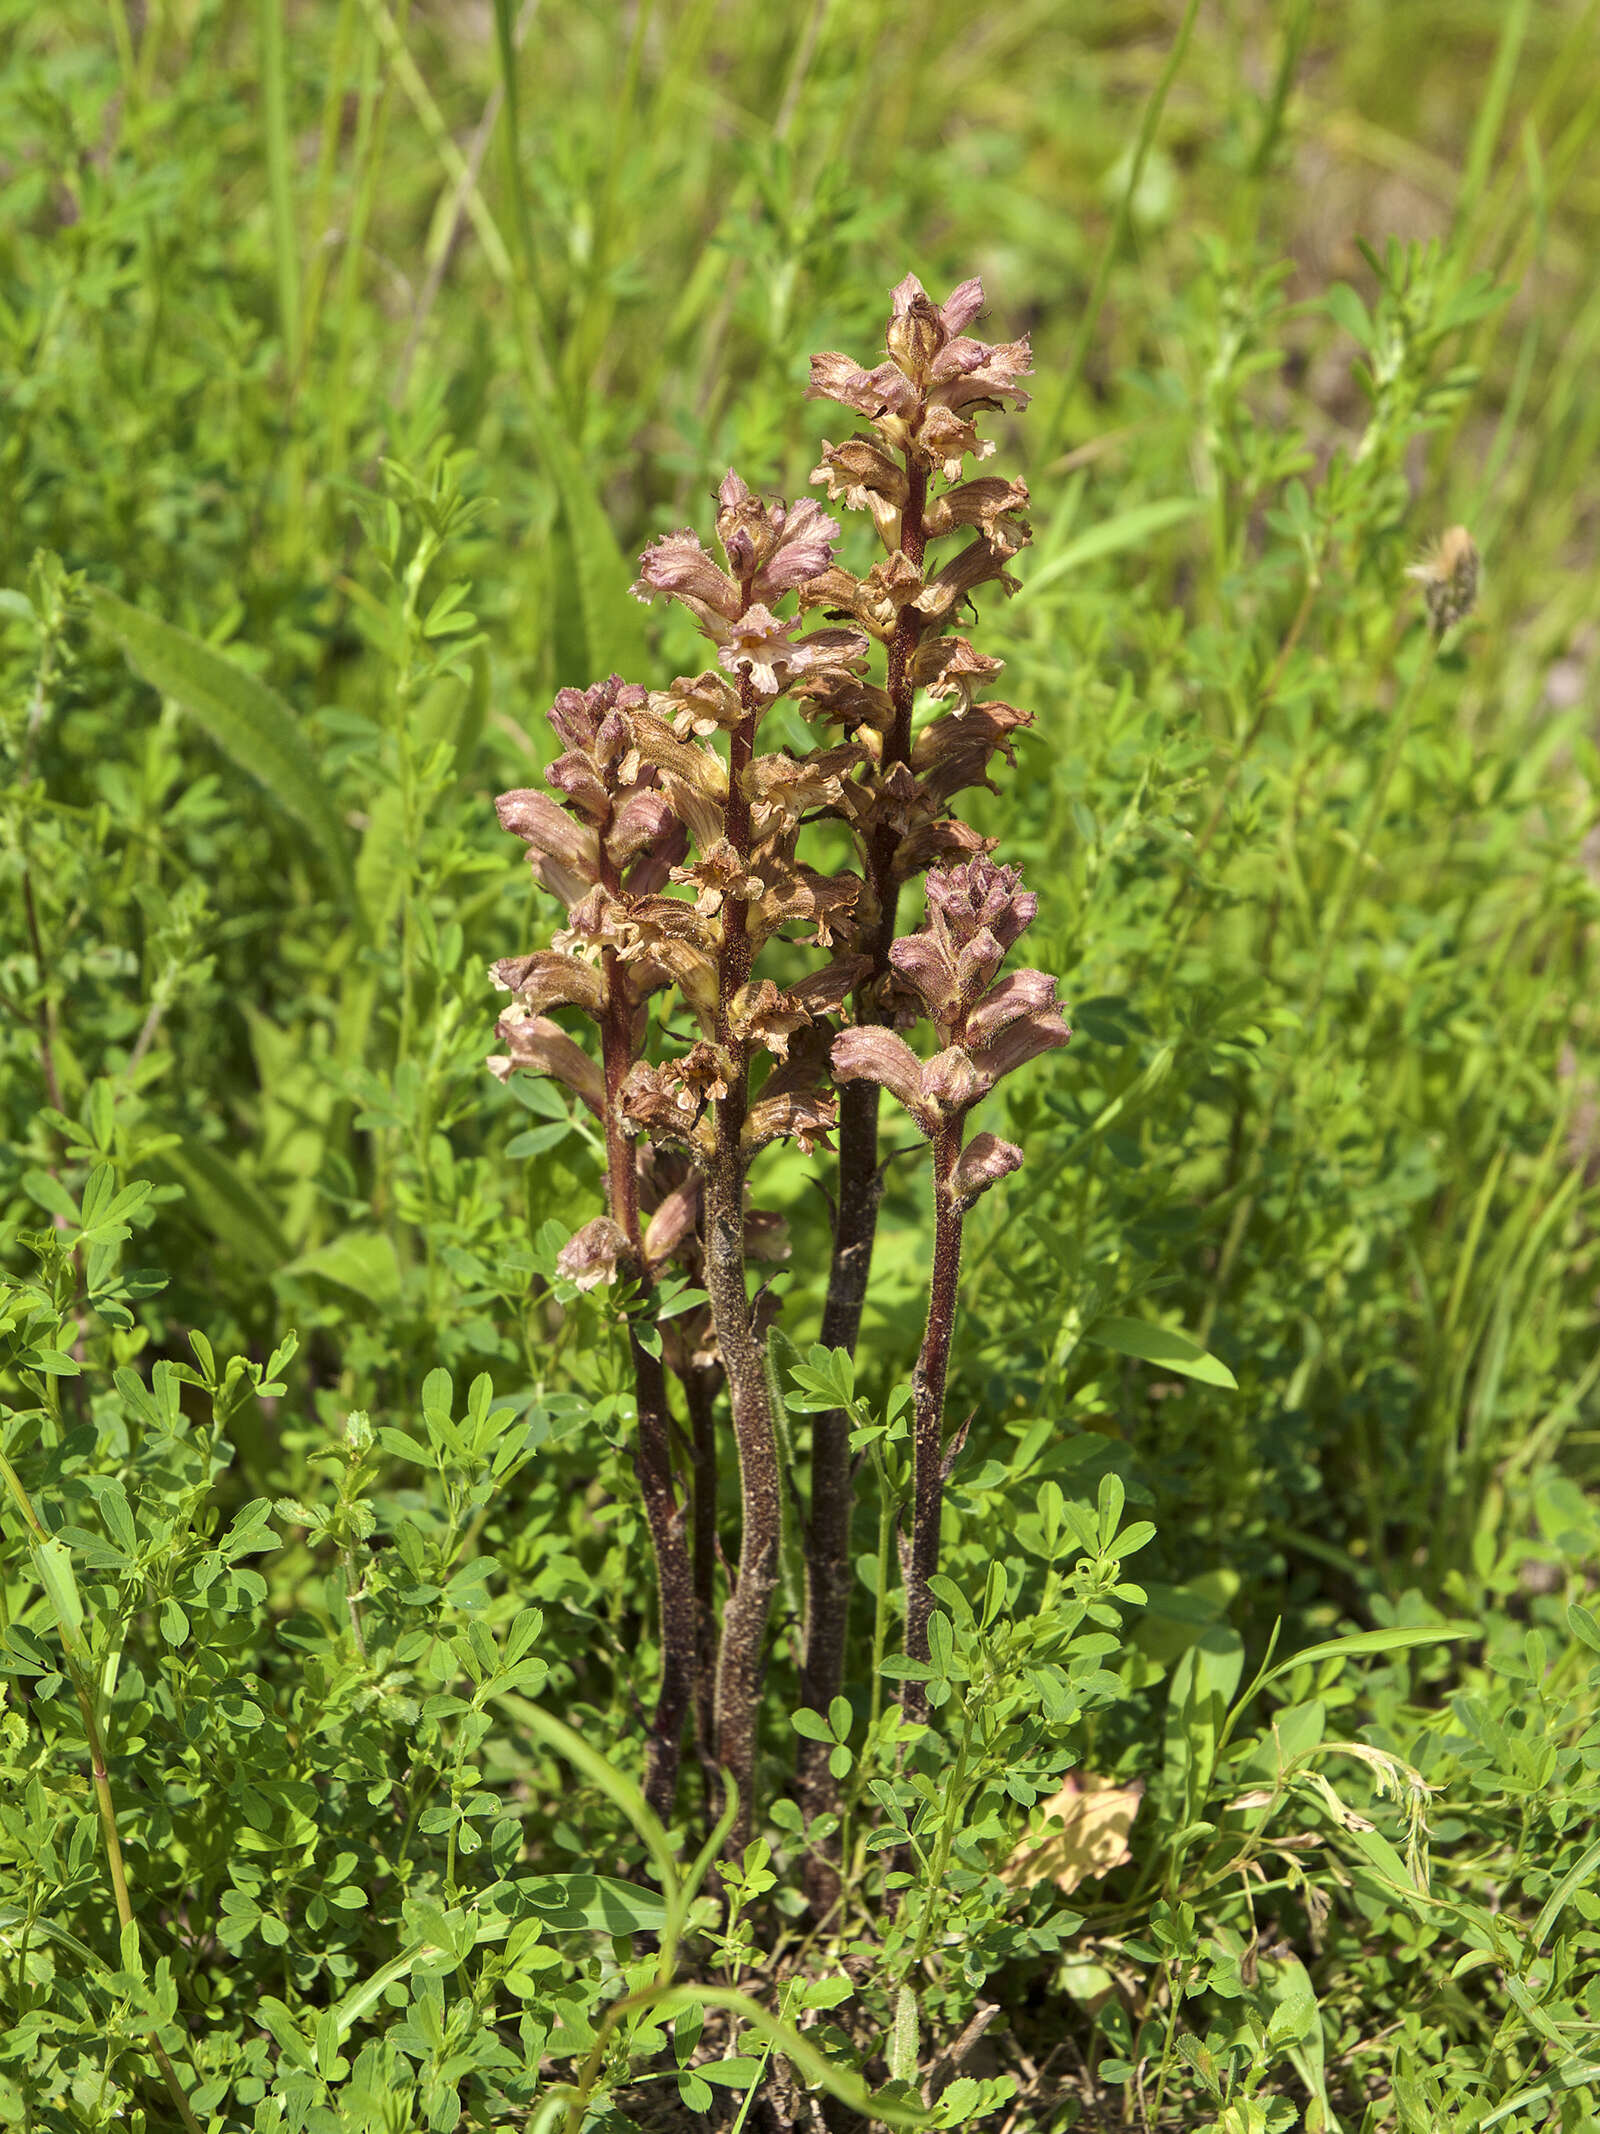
{"x":744,"y":1619}
{"x":920,"y":1553}
{"x":700,"y":1391}
{"x":828,"y":1561}
{"x":652,"y":1455}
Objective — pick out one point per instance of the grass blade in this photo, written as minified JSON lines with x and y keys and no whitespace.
{"x":1126,"y":530}
{"x":249,"y":722}
{"x":1364,"y":1642}
{"x":275,"y":120}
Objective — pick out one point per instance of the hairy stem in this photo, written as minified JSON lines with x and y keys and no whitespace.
{"x":828,"y":1571}
{"x":700,"y":1391}
{"x":652,"y":1456}
{"x":921,"y":1549}
{"x":744,"y":1619}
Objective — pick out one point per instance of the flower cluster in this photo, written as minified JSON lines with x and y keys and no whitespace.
{"x":987,"y":1025}
{"x":674,"y":843}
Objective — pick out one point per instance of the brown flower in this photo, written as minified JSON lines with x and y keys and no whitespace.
{"x":699,"y":704}
{"x":984,"y":1161}
{"x":718,"y":874}
{"x":983,"y":502}
{"x":863,"y":476}
{"x":805,"y":1117}
{"x":549,"y":979}
{"x":786,"y":788}
{"x":592,"y":1255}
{"x":656,"y":1101}
{"x":538,"y":1046}
{"x":934,"y":372}
{"x":792,"y":1104}
{"x":981,"y":562}
{"x":954,"y":752}
{"x":950,"y":667}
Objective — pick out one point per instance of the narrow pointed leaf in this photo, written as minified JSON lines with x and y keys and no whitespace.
{"x":249,"y":722}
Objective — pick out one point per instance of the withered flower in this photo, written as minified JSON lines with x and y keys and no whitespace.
{"x":656,"y":1101}
{"x":592,"y":1255}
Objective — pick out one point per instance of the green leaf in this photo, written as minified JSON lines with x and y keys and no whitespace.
{"x":223,"y":1201}
{"x":249,"y":722}
{"x":1124,"y":529}
{"x":596,"y":1901}
{"x":53,"y":1561}
{"x":1348,"y":311}
{"x":1362,"y":1642}
{"x":1163,"y":1345}
{"x":610,"y":621}
{"x":735,"y":2074}
{"x":362,"y":1261}
{"x":1202,"y":1684}
{"x":1576,"y":1875}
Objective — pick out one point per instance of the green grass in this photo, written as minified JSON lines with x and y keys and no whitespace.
{"x":311,"y":314}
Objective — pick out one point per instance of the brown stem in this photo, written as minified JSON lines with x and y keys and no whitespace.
{"x":744,"y":1619}
{"x":828,"y":1566}
{"x":700,"y":1391}
{"x":652,"y":1455}
{"x":921,"y":1553}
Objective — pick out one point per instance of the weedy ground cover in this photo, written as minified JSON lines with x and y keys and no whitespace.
{"x":1234,"y":1768}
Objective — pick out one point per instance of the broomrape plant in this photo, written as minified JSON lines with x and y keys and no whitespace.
{"x":678,"y":846}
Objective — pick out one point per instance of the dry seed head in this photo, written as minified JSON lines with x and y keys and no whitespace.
{"x":1448,"y":576}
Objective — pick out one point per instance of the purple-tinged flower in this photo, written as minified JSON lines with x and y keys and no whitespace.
{"x":1019,"y":993}
{"x":980,"y":895}
{"x":1036,"y":1031}
{"x":976,"y":912}
{"x":564,"y":855}
{"x":673,"y":1223}
{"x":578,"y":714}
{"x":950,"y":1083}
{"x":984,"y":1161}
{"x":679,"y":566}
{"x":866,"y":1053}
{"x":772,"y":548}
